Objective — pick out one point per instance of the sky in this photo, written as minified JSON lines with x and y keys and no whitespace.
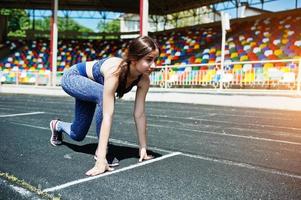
{"x":86,"y":20}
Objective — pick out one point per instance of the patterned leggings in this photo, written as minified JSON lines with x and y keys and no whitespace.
{"x":88,"y":94}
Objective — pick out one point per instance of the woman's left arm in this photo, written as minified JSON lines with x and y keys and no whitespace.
{"x":140,"y":117}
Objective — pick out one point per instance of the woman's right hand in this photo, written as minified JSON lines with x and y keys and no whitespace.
{"x":100,"y":167}
{"x":143,"y":154}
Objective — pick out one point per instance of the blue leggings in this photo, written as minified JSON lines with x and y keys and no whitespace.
{"x":88,"y":94}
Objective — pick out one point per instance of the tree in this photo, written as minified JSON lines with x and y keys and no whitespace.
{"x":109,"y":27}
{"x":18,"y":21}
{"x":63,"y":25}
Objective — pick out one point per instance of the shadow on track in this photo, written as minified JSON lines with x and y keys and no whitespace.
{"x":114,"y":151}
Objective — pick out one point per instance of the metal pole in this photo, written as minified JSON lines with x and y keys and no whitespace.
{"x":17,"y":76}
{"x":37,"y":77}
{"x":53,"y":42}
{"x":299,"y":77}
{"x":222,"y":57}
{"x":165,"y":77}
{"x":225,"y":19}
{"x":143,"y":17}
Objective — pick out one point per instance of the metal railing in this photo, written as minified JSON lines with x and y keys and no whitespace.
{"x":277,"y":74}
{"x":272,"y":74}
{"x":28,"y":77}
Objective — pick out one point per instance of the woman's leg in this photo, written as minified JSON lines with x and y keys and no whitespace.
{"x":88,"y":94}
{"x":81,"y":87}
{"x":79,"y":128}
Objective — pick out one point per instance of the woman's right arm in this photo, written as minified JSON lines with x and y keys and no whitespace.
{"x":110,"y":86}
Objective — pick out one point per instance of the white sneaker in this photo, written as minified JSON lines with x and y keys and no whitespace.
{"x":112,"y":162}
{"x":56,"y":137}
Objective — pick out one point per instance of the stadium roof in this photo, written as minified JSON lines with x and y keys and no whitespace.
{"x":157,"y":7}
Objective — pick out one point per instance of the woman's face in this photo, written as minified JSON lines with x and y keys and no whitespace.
{"x":145,"y":64}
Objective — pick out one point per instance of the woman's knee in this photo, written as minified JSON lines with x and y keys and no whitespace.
{"x":77,"y":136}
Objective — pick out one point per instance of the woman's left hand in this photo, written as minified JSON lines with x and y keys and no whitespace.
{"x":143,"y":155}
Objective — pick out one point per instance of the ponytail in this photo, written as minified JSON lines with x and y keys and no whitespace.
{"x":122,"y":71}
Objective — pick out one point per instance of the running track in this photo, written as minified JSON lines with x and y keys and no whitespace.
{"x":201,"y":152}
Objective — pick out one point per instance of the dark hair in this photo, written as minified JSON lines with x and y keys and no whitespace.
{"x":136,"y":49}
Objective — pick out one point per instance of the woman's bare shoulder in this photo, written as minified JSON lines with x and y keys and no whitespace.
{"x":112,"y":61}
{"x":110,"y":65}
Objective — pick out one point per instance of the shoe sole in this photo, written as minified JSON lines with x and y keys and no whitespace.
{"x":110,"y":165}
{"x":52,"y":132}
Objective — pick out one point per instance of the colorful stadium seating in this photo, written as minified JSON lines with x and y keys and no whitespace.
{"x":272,"y":37}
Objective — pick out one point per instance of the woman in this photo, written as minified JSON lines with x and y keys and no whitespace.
{"x":94,"y":84}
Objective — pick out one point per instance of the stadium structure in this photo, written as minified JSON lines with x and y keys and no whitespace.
{"x":262,"y":48}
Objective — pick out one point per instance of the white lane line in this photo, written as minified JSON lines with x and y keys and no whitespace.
{"x":244,"y":165}
{"x":28,"y":125}
{"x":163,"y":117}
{"x":93,"y":137}
{"x":22,"y":114}
{"x":220,"y":134}
{"x":199,"y":131}
{"x":59,"y":187}
{"x":228,"y":162}
{"x":229,"y":135}
{"x":229,"y":122}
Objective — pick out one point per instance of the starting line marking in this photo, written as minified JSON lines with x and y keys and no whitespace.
{"x":59,"y":187}
{"x":22,"y":114}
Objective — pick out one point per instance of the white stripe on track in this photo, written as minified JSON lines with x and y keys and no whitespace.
{"x":28,"y":125}
{"x":244,"y":165}
{"x":22,"y":114}
{"x":59,"y":187}
{"x":229,"y":135}
{"x":196,"y":118}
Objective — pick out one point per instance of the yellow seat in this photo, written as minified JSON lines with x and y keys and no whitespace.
{"x":249,"y":77}
{"x":285,"y":69}
{"x":268,"y":65}
{"x":237,"y":66}
{"x":212,"y":50}
{"x":234,"y":55}
{"x":263,"y":45}
{"x":196,"y":46}
{"x":244,"y":58}
{"x":253,"y":44}
{"x":198,"y":60}
{"x":278,"y":52}
{"x":284,"y":41}
{"x":12,"y":75}
{"x":243,"y":42}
